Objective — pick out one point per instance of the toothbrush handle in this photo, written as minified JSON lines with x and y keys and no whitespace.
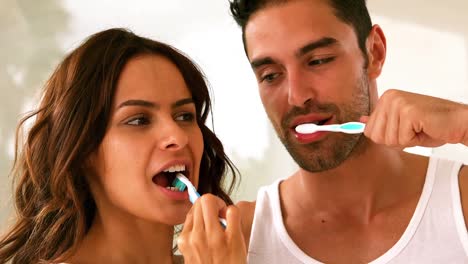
{"x":223,"y":222}
{"x":330,"y":128}
{"x":352,"y":128}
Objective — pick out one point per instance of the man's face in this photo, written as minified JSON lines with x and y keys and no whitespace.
{"x":309,"y":68}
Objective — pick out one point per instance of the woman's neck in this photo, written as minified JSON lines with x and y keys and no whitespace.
{"x":123,"y":240}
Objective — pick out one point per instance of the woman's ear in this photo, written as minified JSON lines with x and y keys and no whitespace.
{"x":89,"y":165}
{"x":376,"y":52}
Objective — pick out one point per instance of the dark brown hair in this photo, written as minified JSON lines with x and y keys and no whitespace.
{"x":53,"y":202}
{"x":352,"y":12}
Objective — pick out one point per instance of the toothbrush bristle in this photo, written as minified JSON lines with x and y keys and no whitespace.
{"x":179,"y":184}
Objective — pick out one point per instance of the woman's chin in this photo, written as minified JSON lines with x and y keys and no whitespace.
{"x":173,"y":218}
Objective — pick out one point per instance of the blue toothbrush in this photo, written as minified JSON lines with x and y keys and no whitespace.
{"x":181,"y":182}
{"x":348,"y":128}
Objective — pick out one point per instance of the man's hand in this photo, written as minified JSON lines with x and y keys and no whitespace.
{"x":203,"y":240}
{"x":404,"y":119}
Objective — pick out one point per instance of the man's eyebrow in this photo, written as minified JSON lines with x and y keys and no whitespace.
{"x":255,"y":64}
{"x":321,"y":43}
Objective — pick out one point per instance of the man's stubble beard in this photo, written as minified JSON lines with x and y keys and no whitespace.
{"x":335,"y":148}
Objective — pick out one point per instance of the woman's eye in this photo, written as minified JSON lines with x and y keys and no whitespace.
{"x":138,"y":121}
{"x":185,"y":117}
{"x":321,"y":61}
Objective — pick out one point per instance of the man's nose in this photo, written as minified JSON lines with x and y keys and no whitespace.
{"x":172,"y":136}
{"x":300,"y":88}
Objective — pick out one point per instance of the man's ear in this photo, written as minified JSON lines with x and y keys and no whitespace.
{"x":376,"y":52}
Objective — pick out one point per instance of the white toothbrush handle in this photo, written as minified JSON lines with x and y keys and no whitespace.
{"x":330,"y":128}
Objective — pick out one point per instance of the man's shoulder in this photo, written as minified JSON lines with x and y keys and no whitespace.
{"x":247,"y":210}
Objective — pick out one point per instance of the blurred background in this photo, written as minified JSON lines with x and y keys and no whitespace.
{"x":427,"y":53}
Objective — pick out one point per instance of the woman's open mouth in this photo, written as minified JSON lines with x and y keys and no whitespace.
{"x":166,"y":177}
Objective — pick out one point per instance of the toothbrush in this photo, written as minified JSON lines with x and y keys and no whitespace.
{"x":348,"y":128}
{"x":181,"y":182}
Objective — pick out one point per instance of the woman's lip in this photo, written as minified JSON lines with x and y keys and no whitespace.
{"x":188,"y":167}
{"x":173,"y":195}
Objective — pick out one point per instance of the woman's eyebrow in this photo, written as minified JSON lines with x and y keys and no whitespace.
{"x":149,"y":104}
{"x":136,"y":102}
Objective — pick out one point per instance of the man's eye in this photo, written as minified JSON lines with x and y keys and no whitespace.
{"x":185,"y":117}
{"x":321,"y":61}
{"x":138,"y":121}
{"x":269,"y":77}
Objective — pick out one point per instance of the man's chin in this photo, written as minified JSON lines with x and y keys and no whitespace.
{"x":321,"y":158}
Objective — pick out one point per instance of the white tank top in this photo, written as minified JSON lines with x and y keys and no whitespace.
{"x":435,"y":234}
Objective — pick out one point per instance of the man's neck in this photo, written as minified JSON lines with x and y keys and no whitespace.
{"x":375,"y":178}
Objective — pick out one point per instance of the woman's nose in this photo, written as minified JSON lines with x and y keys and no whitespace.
{"x":172,"y":136}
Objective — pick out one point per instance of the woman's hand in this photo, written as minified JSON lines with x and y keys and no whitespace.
{"x":404,"y":119}
{"x":203,"y":239}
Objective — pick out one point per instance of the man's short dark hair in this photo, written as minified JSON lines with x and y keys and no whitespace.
{"x":352,"y":12}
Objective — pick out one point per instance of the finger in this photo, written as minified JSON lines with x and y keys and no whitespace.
{"x":234,"y":227}
{"x":392,"y":129}
{"x":369,"y":125}
{"x":370,"y":122}
{"x":198,"y":237}
{"x":406,"y":135}
{"x":212,"y":206}
{"x":377,"y":129}
{"x":198,"y":221}
{"x":183,"y":240}
{"x":223,"y":212}
{"x":188,"y":224}
{"x":364,"y":119}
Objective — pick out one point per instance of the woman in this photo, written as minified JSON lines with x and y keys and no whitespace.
{"x":118,"y":118}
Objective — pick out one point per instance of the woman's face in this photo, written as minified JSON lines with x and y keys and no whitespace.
{"x":152,"y":130}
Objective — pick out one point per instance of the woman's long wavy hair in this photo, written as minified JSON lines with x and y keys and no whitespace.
{"x":53,"y":201}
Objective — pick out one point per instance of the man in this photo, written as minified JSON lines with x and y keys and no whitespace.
{"x":356,"y":198}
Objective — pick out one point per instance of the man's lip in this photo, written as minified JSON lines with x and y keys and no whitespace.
{"x":309,"y":138}
{"x":313,"y":118}
{"x":312,"y":137}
